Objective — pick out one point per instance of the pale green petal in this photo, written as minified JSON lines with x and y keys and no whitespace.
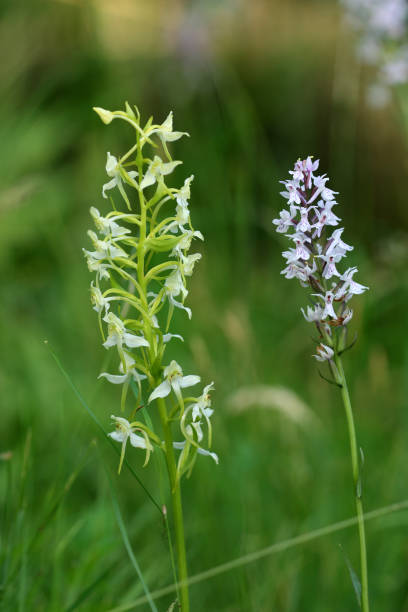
{"x":108,"y":186}
{"x":133,"y":341}
{"x":168,"y":122}
{"x":189,"y":381}
{"x":168,"y":337}
{"x":116,"y":379}
{"x":137,"y":441}
{"x":169,"y":167}
{"x":202,"y":451}
{"x":118,"y":436}
{"x":172,"y":136}
{"x":111,"y":341}
{"x":179,"y":445}
{"x":163,"y":390}
{"x":111,"y":165}
{"x":148,"y":180}
{"x":180,"y":305}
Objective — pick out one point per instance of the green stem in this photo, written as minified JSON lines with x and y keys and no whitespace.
{"x":177,"y":507}
{"x":365,"y":606}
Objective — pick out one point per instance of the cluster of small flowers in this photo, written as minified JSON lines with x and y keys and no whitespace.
{"x":314,"y":256}
{"x":141,"y":261}
{"x":383,"y":30}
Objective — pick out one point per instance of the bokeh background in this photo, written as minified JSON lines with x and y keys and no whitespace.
{"x":257,"y":85}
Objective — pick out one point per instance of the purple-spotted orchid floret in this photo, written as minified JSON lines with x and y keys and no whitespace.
{"x":141,"y":261}
{"x":316,"y":255}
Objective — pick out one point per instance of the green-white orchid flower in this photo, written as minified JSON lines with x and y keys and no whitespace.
{"x":118,"y":335}
{"x":201,"y":451}
{"x":184,"y":243}
{"x":95,"y":265}
{"x":173,"y":286}
{"x":165,"y":130}
{"x":174,"y":380}
{"x":108,"y":226}
{"x":202,"y":407}
{"x":156,"y":170}
{"x":105,"y":249}
{"x":99,"y":302}
{"x":183,"y":195}
{"x":113,"y":169}
{"x":192,"y":419}
{"x":188,"y":263}
{"x":182,"y":212}
{"x":128,"y":373}
{"x":124,"y":432}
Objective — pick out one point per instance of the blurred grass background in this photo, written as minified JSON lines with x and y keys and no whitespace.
{"x":257,"y":84}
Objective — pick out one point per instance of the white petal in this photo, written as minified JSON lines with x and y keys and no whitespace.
{"x":169,"y":167}
{"x":189,"y":381}
{"x":171,"y":136}
{"x":214,"y":456}
{"x":116,"y":379}
{"x":137,"y":376}
{"x":163,"y":390}
{"x":108,"y":186}
{"x":111,"y":164}
{"x":117,"y":230}
{"x":137,"y":441}
{"x":167,"y":123}
{"x":179,"y":445}
{"x":168,"y":337}
{"x":148,"y":180}
{"x":180,"y":305}
{"x":111,"y":341}
{"x":133,"y":341}
{"x":119,"y":436}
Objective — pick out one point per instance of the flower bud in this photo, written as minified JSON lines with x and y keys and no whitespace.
{"x":105,"y":115}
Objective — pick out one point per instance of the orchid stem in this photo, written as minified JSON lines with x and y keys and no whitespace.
{"x":365,"y":606}
{"x":177,"y":507}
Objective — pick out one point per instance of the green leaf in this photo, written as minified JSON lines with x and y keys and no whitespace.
{"x":329,"y":380}
{"x":359,"y":487}
{"x":354,"y":578}
{"x":349,"y":346}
